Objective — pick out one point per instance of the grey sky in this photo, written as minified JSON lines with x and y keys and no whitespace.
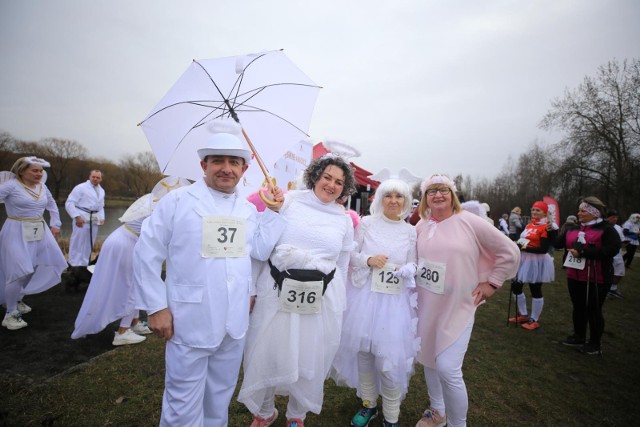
{"x":433,"y":86}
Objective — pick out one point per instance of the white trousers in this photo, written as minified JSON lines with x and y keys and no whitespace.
{"x":80,"y":244}
{"x":199,"y":383}
{"x":446,"y":387}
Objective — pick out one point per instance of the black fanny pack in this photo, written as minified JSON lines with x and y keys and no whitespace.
{"x":301,"y":276}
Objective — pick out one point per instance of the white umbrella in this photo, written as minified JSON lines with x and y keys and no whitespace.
{"x":266,"y":93}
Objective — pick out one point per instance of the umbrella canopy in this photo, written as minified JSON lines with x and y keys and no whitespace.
{"x":270,"y":97}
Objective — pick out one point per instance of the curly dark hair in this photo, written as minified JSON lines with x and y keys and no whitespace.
{"x":314,"y":171}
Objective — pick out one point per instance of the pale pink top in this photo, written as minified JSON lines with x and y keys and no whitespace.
{"x":473,"y":251}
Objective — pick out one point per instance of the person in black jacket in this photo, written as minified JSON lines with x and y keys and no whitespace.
{"x":590,"y":247}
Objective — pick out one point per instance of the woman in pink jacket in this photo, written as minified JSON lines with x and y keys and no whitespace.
{"x":462,"y":260}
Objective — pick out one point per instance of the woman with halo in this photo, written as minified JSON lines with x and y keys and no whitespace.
{"x":462,"y":260}
{"x":296,"y":321}
{"x":110,"y":294}
{"x":30,"y":259}
{"x":379,"y":343}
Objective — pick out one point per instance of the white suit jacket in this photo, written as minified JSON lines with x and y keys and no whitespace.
{"x":85,"y":196}
{"x":208,"y":297}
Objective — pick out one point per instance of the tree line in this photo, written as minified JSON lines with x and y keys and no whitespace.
{"x":134,"y":175}
{"x":598,"y":155}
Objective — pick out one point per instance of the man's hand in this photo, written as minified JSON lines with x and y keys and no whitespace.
{"x":161,"y":323}
{"x":55,"y":231}
{"x":79,"y":221}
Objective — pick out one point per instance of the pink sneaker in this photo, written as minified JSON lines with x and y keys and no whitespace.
{"x":295,"y":422}
{"x":432,"y":418}
{"x":262,"y":422}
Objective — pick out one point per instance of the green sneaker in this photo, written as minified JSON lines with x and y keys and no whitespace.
{"x":364,"y":416}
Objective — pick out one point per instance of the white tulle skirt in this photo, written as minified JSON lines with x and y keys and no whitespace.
{"x":383,"y":325}
{"x":536,"y":268}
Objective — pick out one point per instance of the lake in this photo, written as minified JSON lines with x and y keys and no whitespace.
{"x":110,"y":223}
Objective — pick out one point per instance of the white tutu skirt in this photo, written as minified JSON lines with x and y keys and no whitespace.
{"x":18,"y":258}
{"x":536,"y":268}
{"x":288,"y":351}
{"x":383,"y":325}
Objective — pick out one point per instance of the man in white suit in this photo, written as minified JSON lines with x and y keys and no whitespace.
{"x":85,"y":206}
{"x":206,"y":233}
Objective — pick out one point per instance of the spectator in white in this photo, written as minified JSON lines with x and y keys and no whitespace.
{"x":30,"y":259}
{"x":206,"y":233}
{"x":618,"y":261}
{"x":85,"y":206}
{"x":487,"y":209}
{"x":504,"y":225}
{"x":631,"y":229}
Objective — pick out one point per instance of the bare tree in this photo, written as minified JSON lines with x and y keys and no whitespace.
{"x":140,"y":172}
{"x":61,"y":153}
{"x":601,"y":119}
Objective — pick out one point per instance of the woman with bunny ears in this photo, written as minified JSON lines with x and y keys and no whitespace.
{"x":379,"y":344}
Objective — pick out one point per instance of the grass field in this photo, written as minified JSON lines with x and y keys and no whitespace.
{"x":514,"y":377}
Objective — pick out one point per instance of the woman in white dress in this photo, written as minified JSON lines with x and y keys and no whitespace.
{"x":30,"y":259}
{"x":110,"y":293}
{"x":379,"y":344}
{"x":295,"y":330}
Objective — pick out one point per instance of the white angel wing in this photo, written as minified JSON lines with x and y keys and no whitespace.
{"x":383,"y":175}
{"x":167,"y":184}
{"x":138,"y":209}
{"x":4,"y":177}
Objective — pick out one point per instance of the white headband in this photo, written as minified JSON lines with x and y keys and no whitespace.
{"x":438,"y":179}
{"x":591,"y":209}
{"x":33,"y":160}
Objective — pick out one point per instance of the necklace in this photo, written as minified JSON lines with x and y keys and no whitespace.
{"x":32,"y":193}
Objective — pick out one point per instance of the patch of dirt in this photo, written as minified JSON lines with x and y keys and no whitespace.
{"x":45,"y":348}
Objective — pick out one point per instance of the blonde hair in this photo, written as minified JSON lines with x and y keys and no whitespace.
{"x":23,"y":163}
{"x":424,"y":208}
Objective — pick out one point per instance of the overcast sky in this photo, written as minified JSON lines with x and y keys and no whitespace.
{"x":433,"y":86}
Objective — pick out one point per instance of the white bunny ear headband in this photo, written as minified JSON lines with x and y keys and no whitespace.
{"x":438,"y":179}
{"x":403,"y":175}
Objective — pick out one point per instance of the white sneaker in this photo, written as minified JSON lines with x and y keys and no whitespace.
{"x":23,"y":308}
{"x":128,"y":337}
{"x":141,"y":328}
{"x":13,"y":321}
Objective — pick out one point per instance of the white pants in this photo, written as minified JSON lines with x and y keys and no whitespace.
{"x":446,"y":387}
{"x":199,"y":383}
{"x":80,"y":243}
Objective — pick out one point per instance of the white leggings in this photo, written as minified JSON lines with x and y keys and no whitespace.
{"x":125,"y":322}
{"x":391,"y":394}
{"x":294,"y":408}
{"x":446,"y":387}
{"x":13,"y":292}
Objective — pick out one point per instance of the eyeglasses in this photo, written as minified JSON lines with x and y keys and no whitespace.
{"x":442,"y":190}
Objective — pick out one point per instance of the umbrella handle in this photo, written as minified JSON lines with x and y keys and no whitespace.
{"x":268,"y":180}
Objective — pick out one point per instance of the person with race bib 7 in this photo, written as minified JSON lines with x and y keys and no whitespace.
{"x":30,"y":259}
{"x":462,"y":260}
{"x":297,"y":318}
{"x":379,"y":343}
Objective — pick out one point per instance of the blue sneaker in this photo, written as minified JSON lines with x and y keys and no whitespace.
{"x":364,"y":416}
